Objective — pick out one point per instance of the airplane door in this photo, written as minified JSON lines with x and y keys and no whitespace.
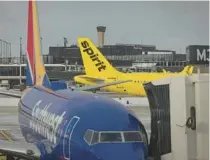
{"x":68,"y":135}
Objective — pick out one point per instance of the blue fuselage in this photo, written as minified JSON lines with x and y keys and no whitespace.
{"x":58,"y":121}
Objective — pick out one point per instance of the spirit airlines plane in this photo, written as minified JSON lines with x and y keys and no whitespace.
{"x":99,"y":70}
{"x":70,"y":125}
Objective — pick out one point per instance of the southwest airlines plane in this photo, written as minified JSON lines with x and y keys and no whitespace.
{"x":99,"y":71}
{"x":70,"y":125}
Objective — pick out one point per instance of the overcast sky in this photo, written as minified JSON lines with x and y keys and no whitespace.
{"x":168,"y":25}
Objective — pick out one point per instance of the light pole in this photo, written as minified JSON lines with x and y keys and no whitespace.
{"x":1,"y":50}
{"x":20,"y":59}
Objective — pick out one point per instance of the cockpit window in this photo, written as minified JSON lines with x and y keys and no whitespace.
{"x":91,"y":137}
{"x":132,"y":136}
{"x":88,"y":136}
{"x":110,"y":137}
{"x":95,"y":137}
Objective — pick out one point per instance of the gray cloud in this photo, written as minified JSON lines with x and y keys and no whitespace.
{"x":168,"y":25}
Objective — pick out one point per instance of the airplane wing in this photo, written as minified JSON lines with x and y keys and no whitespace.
{"x":10,"y":93}
{"x":94,"y":87}
{"x":96,"y":80}
{"x":20,"y":149}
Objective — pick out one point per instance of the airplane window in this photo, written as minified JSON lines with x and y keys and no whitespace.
{"x":110,"y":137}
{"x":88,"y":136}
{"x":95,"y":138}
{"x":132,"y":136}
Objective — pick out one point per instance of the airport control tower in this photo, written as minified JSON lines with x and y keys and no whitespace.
{"x":101,"y":30}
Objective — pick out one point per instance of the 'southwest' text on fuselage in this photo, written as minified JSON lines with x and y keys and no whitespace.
{"x":44,"y":122}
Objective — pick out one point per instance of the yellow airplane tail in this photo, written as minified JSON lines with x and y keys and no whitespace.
{"x":93,"y":60}
{"x":163,"y":70}
{"x":188,"y":70}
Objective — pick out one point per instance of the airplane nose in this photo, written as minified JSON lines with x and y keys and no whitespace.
{"x":131,"y":151}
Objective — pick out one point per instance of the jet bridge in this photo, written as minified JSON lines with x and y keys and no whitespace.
{"x":179,"y":117}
